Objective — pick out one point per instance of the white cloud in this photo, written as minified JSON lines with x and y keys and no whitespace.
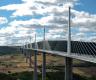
{"x":54,"y":17}
{"x":27,"y":22}
{"x":20,"y":9}
{"x":14,"y":34}
{"x":83,"y":29}
{"x":2,"y":41}
{"x":83,"y":19}
{"x":3,"y":20}
{"x":85,"y":23}
{"x":29,"y":7}
{"x":92,"y":38}
{"x":7,"y":30}
{"x":79,"y":36}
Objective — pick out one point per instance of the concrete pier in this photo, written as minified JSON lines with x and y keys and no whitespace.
{"x":30,"y":60}
{"x":44,"y":66}
{"x":35,"y":65}
{"x":68,"y":68}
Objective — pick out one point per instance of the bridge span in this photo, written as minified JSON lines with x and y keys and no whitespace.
{"x":85,"y":51}
{"x":79,"y":50}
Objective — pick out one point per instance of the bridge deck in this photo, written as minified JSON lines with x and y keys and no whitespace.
{"x":73,"y":55}
{"x":79,"y":50}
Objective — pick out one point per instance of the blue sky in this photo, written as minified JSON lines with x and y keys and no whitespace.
{"x":21,"y":19}
{"x":87,"y":5}
{"x":6,"y":2}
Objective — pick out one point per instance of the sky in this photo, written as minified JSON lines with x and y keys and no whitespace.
{"x":20,"y":20}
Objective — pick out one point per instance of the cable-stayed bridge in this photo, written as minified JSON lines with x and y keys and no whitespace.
{"x":80,"y":50}
{"x":85,"y":51}
{"x":69,"y":49}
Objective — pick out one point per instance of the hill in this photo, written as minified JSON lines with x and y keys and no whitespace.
{"x":9,"y":50}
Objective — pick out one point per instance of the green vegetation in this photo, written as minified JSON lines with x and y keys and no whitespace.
{"x":50,"y":76}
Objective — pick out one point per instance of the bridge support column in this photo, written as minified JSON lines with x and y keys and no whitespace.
{"x":30,"y":60}
{"x":26,"y":56}
{"x":35,"y":66}
{"x":44,"y":66}
{"x":68,"y":68}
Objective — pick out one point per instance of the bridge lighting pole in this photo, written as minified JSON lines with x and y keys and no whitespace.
{"x":35,"y":62}
{"x":44,"y":59}
{"x":68,"y":60}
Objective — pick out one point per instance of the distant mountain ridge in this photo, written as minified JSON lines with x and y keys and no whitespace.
{"x":9,"y":50}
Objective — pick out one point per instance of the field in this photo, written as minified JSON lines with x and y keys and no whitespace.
{"x":12,"y":64}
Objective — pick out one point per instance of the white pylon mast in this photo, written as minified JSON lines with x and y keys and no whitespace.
{"x":69,"y":33}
